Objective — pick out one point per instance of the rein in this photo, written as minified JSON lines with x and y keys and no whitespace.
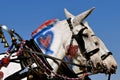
{"x":49,"y":76}
{"x":54,"y":58}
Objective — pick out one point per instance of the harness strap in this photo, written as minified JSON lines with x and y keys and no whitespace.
{"x":72,"y":38}
{"x":54,"y":58}
{"x":70,"y":24}
{"x":80,"y":42}
{"x":77,"y":37}
{"x":103,"y":57}
{"x":88,"y":54}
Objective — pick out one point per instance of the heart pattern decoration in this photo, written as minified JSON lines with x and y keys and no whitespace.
{"x":45,"y":41}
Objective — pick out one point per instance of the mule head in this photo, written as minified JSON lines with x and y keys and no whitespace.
{"x":109,"y":63}
{"x":102,"y":60}
{"x":89,"y":50}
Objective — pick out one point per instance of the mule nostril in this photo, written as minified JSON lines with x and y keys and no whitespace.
{"x":112,"y":70}
{"x":98,"y":65}
{"x":114,"y":67}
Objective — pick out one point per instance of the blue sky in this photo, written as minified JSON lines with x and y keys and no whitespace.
{"x":26,"y":15}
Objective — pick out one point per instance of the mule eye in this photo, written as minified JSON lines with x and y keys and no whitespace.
{"x":96,"y":43}
{"x":85,"y":35}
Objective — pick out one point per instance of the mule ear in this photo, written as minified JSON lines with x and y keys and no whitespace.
{"x":78,"y":19}
{"x":68,"y":14}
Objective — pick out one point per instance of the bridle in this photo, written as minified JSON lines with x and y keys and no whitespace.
{"x":81,"y":45}
{"x":80,"y":41}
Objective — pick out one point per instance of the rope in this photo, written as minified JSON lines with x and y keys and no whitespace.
{"x":64,"y":77}
{"x":54,"y":58}
{"x":54,"y":73}
{"x":109,"y":76}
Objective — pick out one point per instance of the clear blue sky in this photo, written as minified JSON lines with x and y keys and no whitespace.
{"x":26,"y":15}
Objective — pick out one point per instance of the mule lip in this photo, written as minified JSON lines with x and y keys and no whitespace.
{"x":111,"y":71}
{"x":103,"y":70}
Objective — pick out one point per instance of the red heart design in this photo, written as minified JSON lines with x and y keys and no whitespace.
{"x":45,"y":41}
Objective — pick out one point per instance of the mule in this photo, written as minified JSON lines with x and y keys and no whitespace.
{"x":54,"y":38}
{"x":52,"y":42}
